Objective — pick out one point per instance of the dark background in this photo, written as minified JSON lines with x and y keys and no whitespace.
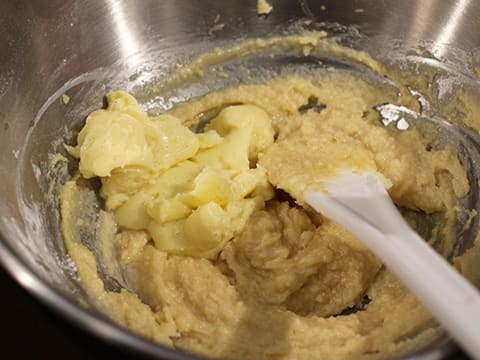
{"x":29,"y":330}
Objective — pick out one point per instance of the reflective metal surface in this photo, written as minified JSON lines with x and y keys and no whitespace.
{"x":84,"y":48}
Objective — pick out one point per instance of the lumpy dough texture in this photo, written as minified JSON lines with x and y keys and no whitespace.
{"x":276,"y":261}
{"x":289,"y":284}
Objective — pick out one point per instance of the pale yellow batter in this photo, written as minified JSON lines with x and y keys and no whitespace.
{"x":264,"y":7}
{"x":254,"y":275}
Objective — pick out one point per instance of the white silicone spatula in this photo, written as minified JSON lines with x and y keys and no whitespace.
{"x":360,"y":203}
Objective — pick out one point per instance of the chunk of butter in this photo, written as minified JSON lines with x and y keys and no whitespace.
{"x":191,"y":192}
{"x":111,"y":140}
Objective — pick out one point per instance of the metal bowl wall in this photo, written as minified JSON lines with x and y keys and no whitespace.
{"x":84,"y":48}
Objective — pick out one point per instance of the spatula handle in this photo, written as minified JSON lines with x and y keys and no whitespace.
{"x":374,"y":220}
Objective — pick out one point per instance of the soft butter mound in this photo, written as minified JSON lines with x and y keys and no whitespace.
{"x":191,"y":192}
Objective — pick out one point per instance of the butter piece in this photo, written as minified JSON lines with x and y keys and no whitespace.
{"x":133,"y":213}
{"x":250,"y":117}
{"x":190,"y":192}
{"x":264,"y":7}
{"x":210,"y":185}
{"x":232,"y":153}
{"x":170,"y":141}
{"x":209,"y":139}
{"x":111,"y":140}
{"x":208,"y":226}
{"x":170,"y":236}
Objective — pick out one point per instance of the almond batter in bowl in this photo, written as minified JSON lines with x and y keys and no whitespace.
{"x":30,"y":225}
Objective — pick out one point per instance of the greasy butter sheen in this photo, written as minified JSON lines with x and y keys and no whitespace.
{"x":191,"y":192}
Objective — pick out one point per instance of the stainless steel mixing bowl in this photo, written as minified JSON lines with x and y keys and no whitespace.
{"x":84,"y":48}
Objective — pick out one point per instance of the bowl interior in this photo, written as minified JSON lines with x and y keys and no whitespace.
{"x":86,"y":49}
